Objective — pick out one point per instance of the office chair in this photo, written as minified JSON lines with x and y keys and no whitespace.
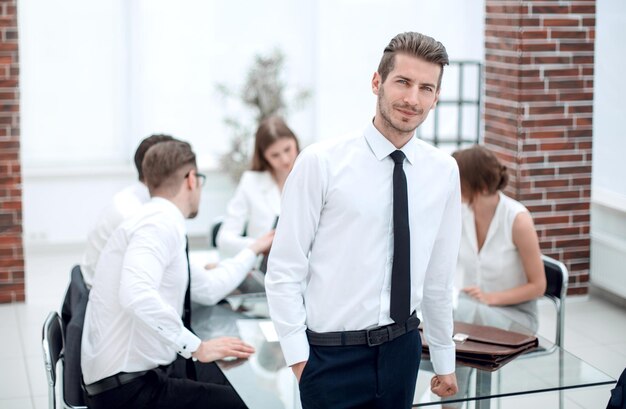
{"x":557,"y":278}
{"x":215,"y":229}
{"x":73,"y":318}
{"x":53,"y":344}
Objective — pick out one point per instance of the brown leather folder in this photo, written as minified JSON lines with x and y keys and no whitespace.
{"x":485,"y":347}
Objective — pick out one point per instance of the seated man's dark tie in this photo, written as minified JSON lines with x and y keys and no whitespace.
{"x":190,"y":367}
{"x":401,"y":268}
{"x":187,"y":305}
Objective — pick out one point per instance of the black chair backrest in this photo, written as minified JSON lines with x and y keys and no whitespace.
{"x":52,"y":336}
{"x":73,"y":313}
{"x":214,"y":231}
{"x":554,"y":279}
{"x":74,"y":296}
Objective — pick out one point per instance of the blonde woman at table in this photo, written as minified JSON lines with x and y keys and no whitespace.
{"x":499,"y":268}
{"x":256,"y":204}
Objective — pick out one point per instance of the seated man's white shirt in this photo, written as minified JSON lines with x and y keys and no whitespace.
{"x":133,"y":318}
{"x":124,"y":204}
{"x":330,"y":264}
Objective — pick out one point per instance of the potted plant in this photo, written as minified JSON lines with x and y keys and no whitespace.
{"x":264,"y":93}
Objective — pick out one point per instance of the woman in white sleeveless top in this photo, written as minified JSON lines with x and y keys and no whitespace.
{"x":256,"y":203}
{"x":499,"y":262}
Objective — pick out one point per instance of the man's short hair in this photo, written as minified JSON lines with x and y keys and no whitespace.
{"x":415,"y":45}
{"x":166,"y":164}
{"x":144,"y":146}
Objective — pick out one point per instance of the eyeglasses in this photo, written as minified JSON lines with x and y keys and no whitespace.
{"x":200,"y":176}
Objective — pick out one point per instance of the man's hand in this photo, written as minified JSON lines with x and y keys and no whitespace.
{"x":444,"y":385}
{"x":263,"y":243}
{"x":218,"y":348}
{"x":298,"y":368}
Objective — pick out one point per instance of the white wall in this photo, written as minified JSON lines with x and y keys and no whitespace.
{"x":608,"y":212}
{"x":181,"y":50}
{"x":72,"y":77}
{"x":98,"y":77}
{"x":609,"y":143}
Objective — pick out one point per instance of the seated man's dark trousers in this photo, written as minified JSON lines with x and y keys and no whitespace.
{"x":167,"y":387}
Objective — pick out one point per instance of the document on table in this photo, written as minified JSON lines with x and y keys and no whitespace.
{"x":268,"y":330}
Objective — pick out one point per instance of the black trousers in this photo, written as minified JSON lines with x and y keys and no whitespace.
{"x":168,"y":387}
{"x":381,"y":377}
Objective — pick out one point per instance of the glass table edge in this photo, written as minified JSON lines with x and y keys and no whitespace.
{"x":504,"y":395}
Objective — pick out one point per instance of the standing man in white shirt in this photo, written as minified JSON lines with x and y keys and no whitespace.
{"x":368,"y":235}
{"x":133,"y":328}
{"x":124,"y":204}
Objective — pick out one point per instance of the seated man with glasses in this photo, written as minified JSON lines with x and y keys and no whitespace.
{"x":138,"y":316}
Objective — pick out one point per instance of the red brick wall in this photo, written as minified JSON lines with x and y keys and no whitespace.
{"x":11,"y":252}
{"x":538,"y":113}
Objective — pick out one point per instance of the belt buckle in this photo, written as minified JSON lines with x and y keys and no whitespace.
{"x":377,"y":339}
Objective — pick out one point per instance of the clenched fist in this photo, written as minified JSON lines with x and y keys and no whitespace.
{"x":444,"y":385}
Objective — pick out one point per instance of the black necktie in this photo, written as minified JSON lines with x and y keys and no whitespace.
{"x":189,"y":365}
{"x":187,"y":306}
{"x":401,"y":268}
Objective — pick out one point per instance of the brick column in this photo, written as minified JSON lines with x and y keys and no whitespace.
{"x":538,"y":113}
{"x":11,"y":252}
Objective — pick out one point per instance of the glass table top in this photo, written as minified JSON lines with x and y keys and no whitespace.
{"x":264,"y":381}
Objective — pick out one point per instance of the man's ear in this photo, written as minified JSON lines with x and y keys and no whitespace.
{"x":376,"y":82}
{"x":190,"y":181}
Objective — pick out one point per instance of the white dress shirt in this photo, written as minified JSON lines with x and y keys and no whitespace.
{"x":254,"y":206}
{"x":133,"y":318}
{"x":330,"y":263}
{"x":124,"y":204}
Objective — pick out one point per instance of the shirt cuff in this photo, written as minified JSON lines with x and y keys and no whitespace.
{"x":443,"y":360}
{"x":295,"y":348}
{"x":187,"y":343}
{"x":246,"y":257}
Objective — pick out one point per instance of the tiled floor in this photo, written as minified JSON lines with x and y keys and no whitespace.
{"x":595,"y":330}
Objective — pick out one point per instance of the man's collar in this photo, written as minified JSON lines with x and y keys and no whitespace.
{"x":382,"y":147}
{"x":168,"y":206}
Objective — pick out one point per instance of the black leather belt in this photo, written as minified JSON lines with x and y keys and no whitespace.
{"x":370,"y":337}
{"x":111,"y":382}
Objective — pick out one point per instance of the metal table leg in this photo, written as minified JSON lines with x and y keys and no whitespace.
{"x":483,"y":388}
